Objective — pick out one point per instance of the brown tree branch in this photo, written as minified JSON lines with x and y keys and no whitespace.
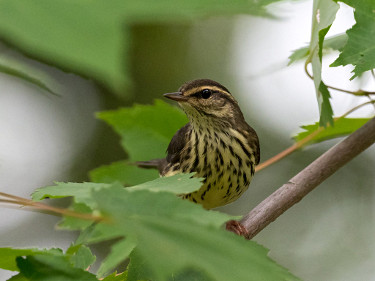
{"x":305,"y":181}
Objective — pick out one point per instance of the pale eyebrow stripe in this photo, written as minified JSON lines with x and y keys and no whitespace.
{"x":213,"y":88}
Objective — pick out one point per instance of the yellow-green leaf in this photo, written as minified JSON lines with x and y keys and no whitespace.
{"x":343,"y":127}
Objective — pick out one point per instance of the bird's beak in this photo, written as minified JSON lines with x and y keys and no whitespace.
{"x":177,"y":96}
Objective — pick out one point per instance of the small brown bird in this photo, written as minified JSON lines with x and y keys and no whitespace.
{"x":217,"y":144}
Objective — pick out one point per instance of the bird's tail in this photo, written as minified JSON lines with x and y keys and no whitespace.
{"x":151,"y":164}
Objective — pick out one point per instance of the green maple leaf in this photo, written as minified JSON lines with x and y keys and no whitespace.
{"x":343,"y":127}
{"x":154,"y":223}
{"x":164,"y":227}
{"x":48,"y":264}
{"x":360,"y":48}
{"x":9,"y":255}
{"x":145,"y":131}
{"x":48,"y":268}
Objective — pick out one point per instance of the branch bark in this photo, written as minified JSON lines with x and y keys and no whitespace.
{"x":306,"y":180}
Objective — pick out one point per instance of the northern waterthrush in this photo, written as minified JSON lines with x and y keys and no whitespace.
{"x":217,"y":144}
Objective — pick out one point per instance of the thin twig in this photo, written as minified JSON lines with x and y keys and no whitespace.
{"x":309,"y":178}
{"x":356,"y":93}
{"x":305,"y":140}
{"x":356,"y":108}
{"x":20,"y":201}
{"x":369,"y":97}
{"x":288,"y":151}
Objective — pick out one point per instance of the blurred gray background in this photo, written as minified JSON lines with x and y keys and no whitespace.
{"x":329,"y":235}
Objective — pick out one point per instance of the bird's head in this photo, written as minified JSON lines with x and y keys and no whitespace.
{"x":205,"y":99}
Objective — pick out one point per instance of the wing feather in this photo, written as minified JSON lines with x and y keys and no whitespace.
{"x":177,"y":144}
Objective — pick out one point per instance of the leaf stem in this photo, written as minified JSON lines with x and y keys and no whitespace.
{"x":356,"y":93}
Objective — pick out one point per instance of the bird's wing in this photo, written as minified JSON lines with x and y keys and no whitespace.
{"x":177,"y":143}
{"x":173,"y":151}
{"x":253,"y":141}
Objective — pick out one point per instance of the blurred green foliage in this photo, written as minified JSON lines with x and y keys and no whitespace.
{"x":93,"y":38}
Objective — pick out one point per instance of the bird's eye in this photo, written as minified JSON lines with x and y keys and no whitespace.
{"x":206,"y":93}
